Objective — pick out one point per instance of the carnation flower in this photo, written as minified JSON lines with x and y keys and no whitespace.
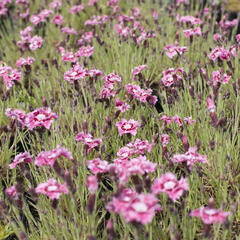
{"x":135,"y":207}
{"x":88,"y":140}
{"x":192,"y":32}
{"x":17,"y":114}
{"x":120,"y":105}
{"x":58,"y":20}
{"x":125,"y":126}
{"x":168,"y":183}
{"x":138,"y":70}
{"x":40,"y":117}
{"x":52,"y":189}
{"x":76,"y":73}
{"x":98,"y":166}
{"x":85,"y":51}
{"x":21,"y":158}
{"x":210,"y":215}
{"x":165,"y":139}
{"x":141,"y":146}
{"x":35,"y":42}
{"x":173,"y":50}
{"x":22,"y":61}
{"x":190,"y":157}
{"x":49,"y":157}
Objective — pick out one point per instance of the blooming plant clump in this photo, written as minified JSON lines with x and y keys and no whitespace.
{"x":120,"y":119}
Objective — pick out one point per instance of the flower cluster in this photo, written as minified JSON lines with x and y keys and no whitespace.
{"x":190,"y":157}
{"x":88,"y":140}
{"x":109,"y":81}
{"x":10,"y":76}
{"x":140,"y":94}
{"x":135,"y":207}
{"x":173,"y":50}
{"x":41,"y":117}
{"x":49,"y":157}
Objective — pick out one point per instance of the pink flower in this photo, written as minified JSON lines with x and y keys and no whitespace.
{"x":10,"y":75}
{"x":154,"y":14}
{"x":141,"y":94}
{"x":219,"y":52}
{"x":55,"y":4}
{"x":112,"y":2}
{"x":69,"y":56}
{"x":125,"y":126}
{"x":76,"y":73}
{"x":86,"y":38}
{"x":168,"y":183}
{"x":173,"y":50}
{"x":140,"y":165}
{"x":189,"y":120}
{"x":69,"y":30}
{"x":190,"y":157}
{"x":52,"y":189}
{"x":120,"y":204}
{"x":216,"y":37}
{"x":107,"y":92}
{"x":12,"y":192}
{"x":35,"y":42}
{"x":77,"y":8}
{"x":49,"y":157}
{"x":112,"y":78}
{"x":165,"y":139}
{"x":96,"y":20}
{"x":36,"y":19}
{"x":40,"y":117}
{"x":21,"y":158}
{"x":140,"y":146}
{"x":24,"y":2}
{"x":92,"y":183}
{"x":123,"y":31}
{"x":58,"y":20}
{"x":88,"y":140}
{"x":177,"y":120}
{"x":138,"y":70}
{"x":125,"y":153}
{"x":98,"y":166}
{"x":95,"y":73}
{"x":238,"y":38}
{"x":135,"y":207}
{"x":211,"y":105}
{"x":85,"y":51}
{"x":192,"y":32}
{"x":92,"y":2}
{"x":17,"y":114}
{"x":22,"y":61}
{"x":188,"y":19}
{"x":120,"y":105}
{"x":45,"y":13}
{"x":210,"y":215}
{"x":219,"y":77}
{"x":166,"y":119}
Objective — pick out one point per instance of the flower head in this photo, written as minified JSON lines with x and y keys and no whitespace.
{"x":21,"y":158}
{"x":210,"y":215}
{"x":190,"y":157}
{"x":168,"y":183}
{"x":125,"y":126}
{"x":49,"y":157}
{"x":88,"y":140}
{"x":52,"y":189}
{"x":40,"y":117}
{"x":98,"y":166}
